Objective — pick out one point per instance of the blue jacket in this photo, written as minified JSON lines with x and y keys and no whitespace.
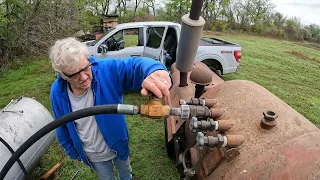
{"x":111,"y":78}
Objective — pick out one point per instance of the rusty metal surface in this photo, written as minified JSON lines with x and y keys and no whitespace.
{"x":235,"y":140}
{"x":225,"y":125}
{"x":295,"y":159}
{"x":201,"y":75}
{"x":265,"y":153}
{"x":211,"y":162}
{"x":211,"y":103}
{"x":194,"y":154}
{"x":217,"y":112}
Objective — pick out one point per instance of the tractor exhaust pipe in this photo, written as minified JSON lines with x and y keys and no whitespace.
{"x":192,"y":26}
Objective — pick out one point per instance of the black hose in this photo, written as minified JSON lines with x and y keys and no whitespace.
{"x":195,"y":9}
{"x":18,"y":160}
{"x":103,"y":109}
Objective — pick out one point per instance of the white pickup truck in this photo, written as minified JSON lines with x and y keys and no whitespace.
{"x":159,"y":40}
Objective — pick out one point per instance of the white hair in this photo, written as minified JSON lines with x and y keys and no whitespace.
{"x":67,"y":53}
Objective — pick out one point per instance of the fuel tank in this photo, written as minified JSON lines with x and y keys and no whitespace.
{"x":20,"y":119}
{"x":288,"y":149}
{"x":279,"y":143}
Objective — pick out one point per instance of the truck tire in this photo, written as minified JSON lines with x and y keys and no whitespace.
{"x":216,"y":71}
{"x":214,"y":65}
{"x":169,"y":145}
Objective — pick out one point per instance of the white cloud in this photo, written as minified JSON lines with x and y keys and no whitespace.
{"x":307,"y":11}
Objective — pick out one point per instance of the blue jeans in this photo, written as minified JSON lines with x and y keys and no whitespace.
{"x":104,"y":169}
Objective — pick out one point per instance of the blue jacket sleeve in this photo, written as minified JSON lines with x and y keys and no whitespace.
{"x":62,"y":131}
{"x":132,"y":71}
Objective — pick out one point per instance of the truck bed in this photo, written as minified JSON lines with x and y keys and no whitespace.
{"x":205,"y":41}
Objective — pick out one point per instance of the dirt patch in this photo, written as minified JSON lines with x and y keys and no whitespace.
{"x":298,"y":54}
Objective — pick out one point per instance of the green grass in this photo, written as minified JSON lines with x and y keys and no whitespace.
{"x":287,"y":69}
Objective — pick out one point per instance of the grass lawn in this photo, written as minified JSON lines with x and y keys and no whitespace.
{"x":289,"y":70}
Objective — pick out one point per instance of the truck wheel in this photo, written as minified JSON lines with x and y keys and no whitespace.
{"x":169,"y":145}
{"x":216,"y":71}
{"x":214,"y":65}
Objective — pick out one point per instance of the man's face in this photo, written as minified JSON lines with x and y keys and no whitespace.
{"x":80,"y":78}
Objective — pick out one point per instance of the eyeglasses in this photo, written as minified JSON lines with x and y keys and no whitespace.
{"x":74,"y":74}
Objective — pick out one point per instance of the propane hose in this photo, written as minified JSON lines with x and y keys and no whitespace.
{"x":103,"y":109}
{"x":18,"y":160}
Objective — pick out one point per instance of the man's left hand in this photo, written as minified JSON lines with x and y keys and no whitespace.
{"x":158,"y":83}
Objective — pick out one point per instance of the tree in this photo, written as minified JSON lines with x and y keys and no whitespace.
{"x":30,"y":27}
{"x":292,"y":27}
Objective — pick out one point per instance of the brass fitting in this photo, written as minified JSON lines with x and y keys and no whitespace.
{"x":154,"y":109}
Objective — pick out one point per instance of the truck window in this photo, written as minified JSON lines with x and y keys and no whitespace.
{"x":131,"y":38}
{"x":123,"y":39}
{"x":104,"y":34}
{"x":154,"y":35}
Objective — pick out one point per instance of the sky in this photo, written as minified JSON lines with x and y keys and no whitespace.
{"x":307,"y":10}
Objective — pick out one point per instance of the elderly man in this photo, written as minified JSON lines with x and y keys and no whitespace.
{"x":99,"y":141}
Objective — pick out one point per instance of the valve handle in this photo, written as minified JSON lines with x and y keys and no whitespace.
{"x":194,"y":124}
{"x":200,"y":140}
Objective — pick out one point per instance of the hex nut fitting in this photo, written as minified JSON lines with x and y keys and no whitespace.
{"x":270,"y":115}
{"x":269,"y":120}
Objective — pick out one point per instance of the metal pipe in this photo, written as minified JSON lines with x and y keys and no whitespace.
{"x":183,"y":79}
{"x":195,"y":9}
{"x":199,"y":90}
{"x":190,"y":34}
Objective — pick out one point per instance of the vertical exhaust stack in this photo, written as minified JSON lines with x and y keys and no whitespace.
{"x":192,"y":26}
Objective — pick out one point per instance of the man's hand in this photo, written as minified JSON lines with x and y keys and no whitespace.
{"x":157,"y":82}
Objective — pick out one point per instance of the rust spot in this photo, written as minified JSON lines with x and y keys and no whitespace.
{"x":231,"y":154}
{"x":216,"y":113}
{"x":235,"y":140}
{"x":211,"y":161}
{"x":211,"y":103}
{"x":225,"y":125}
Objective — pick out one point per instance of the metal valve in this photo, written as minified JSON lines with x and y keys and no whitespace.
{"x":196,"y":125}
{"x":197,"y":101}
{"x":218,"y":141}
{"x":154,"y":108}
{"x":188,"y":111}
{"x":210,"y":141}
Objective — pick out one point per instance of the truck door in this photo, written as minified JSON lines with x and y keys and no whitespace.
{"x":154,"y":45}
{"x":122,"y":44}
